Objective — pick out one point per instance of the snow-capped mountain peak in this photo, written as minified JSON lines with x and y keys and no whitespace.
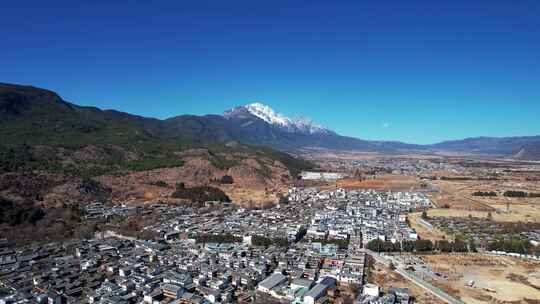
{"x":267,"y":114}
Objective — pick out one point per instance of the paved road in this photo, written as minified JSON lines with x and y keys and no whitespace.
{"x":414,"y":278}
{"x":109,"y":233}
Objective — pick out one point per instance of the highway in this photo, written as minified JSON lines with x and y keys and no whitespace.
{"x":414,"y":278}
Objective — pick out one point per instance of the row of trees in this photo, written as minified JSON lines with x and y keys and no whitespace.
{"x":408,"y":246}
{"x":512,"y":193}
{"x":512,"y":246}
{"x":258,"y":240}
{"x":420,"y":246}
{"x":515,"y":246}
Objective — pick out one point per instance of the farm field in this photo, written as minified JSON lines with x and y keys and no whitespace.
{"x":522,"y":213}
{"x":455,"y":199}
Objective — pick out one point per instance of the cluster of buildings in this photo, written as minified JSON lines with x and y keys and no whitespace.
{"x":381,"y":165}
{"x":320,"y":253}
{"x":98,"y":210}
{"x":359,"y":216}
{"x":325,"y":176}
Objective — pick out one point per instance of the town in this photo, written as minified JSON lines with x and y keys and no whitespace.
{"x":306,"y":250}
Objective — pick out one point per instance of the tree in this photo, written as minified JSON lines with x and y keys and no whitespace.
{"x":382,"y":246}
{"x":459,"y":246}
{"x":490,"y":216}
{"x":472,"y":246}
{"x":515,"y":194}
{"x":408,"y":246}
{"x":424,"y":245}
{"x":443,"y":246}
{"x":424,"y":215}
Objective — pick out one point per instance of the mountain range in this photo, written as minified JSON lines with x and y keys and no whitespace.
{"x":36,"y":116}
{"x":276,"y":130}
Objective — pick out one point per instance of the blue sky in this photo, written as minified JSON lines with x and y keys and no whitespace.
{"x":414,"y":71}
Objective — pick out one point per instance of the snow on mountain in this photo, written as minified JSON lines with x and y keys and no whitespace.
{"x":267,"y":114}
{"x":297,"y":125}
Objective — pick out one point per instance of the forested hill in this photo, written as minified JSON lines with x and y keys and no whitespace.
{"x":40,"y":130}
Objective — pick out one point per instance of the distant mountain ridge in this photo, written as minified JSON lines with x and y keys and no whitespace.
{"x":265,"y":126}
{"x":259,"y":124}
{"x":519,"y":147}
{"x":293,"y":125}
{"x":38,"y":116}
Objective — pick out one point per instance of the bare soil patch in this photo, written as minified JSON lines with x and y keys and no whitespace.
{"x":493,"y":279}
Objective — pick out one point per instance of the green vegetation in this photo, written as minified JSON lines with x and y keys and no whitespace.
{"x":200,"y":193}
{"x":407,"y":246}
{"x":17,"y":158}
{"x":295,"y":165}
{"x":484,"y":193}
{"x":150,"y":163}
{"x":515,"y":194}
{"x":520,"y":194}
{"x":456,"y":246}
{"x":217,"y":238}
{"x":258,"y":240}
{"x":14,"y":214}
{"x":21,"y":158}
{"x":226,"y":179}
{"x":160,"y":183}
{"x":515,"y":246}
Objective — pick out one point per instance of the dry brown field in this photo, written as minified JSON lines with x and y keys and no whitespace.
{"x":250,"y":198}
{"x":423,"y":231}
{"x":387,"y":279}
{"x":457,"y":196}
{"x":501,"y":280}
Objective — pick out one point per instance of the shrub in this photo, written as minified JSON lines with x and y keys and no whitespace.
{"x":160,"y":183}
{"x":226,"y":179}
{"x":484,"y":193}
{"x":515,"y":194}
